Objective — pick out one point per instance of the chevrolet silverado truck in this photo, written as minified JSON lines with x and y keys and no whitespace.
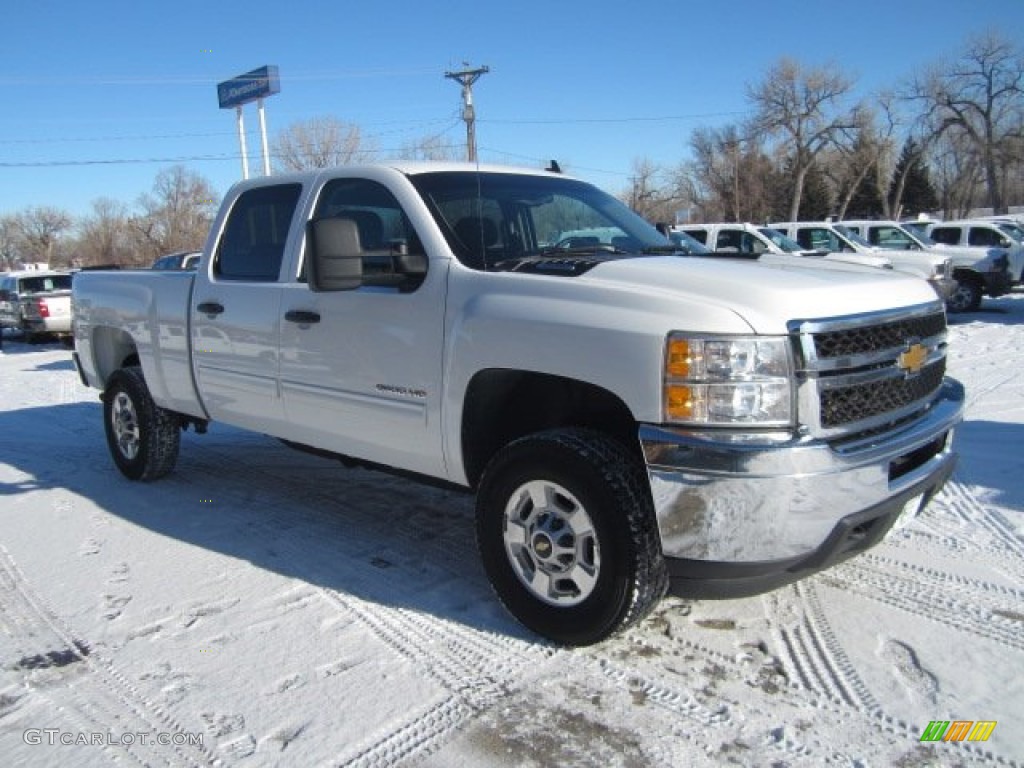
{"x":977,"y":270}
{"x":630,"y":421}
{"x":835,"y":237}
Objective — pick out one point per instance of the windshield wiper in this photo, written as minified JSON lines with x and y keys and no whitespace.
{"x":577,"y":250}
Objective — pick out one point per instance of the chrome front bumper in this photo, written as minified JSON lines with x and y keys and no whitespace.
{"x":730,"y":499}
{"x":943,"y":286}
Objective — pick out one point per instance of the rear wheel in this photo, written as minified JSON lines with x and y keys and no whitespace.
{"x":142,"y":437}
{"x":566,"y":531}
{"x":966,"y":296}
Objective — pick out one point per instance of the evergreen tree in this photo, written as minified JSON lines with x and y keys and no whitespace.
{"x":866,"y":202}
{"x":918,"y":193}
{"x":815,"y":199}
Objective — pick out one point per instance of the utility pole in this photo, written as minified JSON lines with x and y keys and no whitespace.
{"x":466,"y":78}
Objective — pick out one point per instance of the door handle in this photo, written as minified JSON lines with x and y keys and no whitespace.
{"x":210,"y":308}
{"x":301,"y":316}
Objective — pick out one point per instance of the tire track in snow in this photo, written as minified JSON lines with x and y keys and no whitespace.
{"x":475,"y":668}
{"x":957,"y":522}
{"x":96,"y":695}
{"x":813,"y":655}
{"x":955,"y":608}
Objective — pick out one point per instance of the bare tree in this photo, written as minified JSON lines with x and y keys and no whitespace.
{"x":802,"y":109}
{"x":732,"y":173}
{"x":433,"y":147}
{"x":106,"y":237}
{"x":979,"y":101}
{"x":957,"y":176}
{"x":320,"y":142}
{"x":176,"y":215}
{"x":650,"y":194}
{"x":9,"y":236}
{"x":39,"y":231}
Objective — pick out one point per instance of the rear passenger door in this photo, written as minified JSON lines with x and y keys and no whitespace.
{"x":236,"y":310}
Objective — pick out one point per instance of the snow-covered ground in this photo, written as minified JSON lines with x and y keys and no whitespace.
{"x":287,"y":611}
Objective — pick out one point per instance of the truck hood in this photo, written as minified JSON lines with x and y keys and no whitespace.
{"x":767,"y":295}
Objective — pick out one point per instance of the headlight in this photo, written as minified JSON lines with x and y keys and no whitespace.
{"x":728,"y":381}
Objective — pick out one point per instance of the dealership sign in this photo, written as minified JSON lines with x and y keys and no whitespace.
{"x":248,"y":87}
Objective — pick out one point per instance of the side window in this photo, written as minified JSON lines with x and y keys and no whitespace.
{"x":389,"y":244}
{"x":252,"y":245}
{"x":983,"y":236}
{"x":945,"y":235}
{"x":699,"y":235}
{"x":728,"y":240}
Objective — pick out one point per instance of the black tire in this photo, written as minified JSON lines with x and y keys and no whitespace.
{"x":142,"y":437}
{"x":966,"y":296}
{"x":592,"y":552}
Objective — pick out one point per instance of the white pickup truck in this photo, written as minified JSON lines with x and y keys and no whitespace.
{"x":630,"y":420}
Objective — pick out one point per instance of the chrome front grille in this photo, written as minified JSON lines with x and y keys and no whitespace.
{"x":869,"y":338}
{"x":864,"y":372}
{"x":850,"y":404}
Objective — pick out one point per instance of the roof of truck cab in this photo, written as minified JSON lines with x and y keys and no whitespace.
{"x":409,"y":168}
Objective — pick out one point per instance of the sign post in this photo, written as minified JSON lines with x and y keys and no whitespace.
{"x":238,"y":91}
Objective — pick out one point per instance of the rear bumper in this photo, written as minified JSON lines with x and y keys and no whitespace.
{"x":60,"y":325}
{"x":739,"y":514}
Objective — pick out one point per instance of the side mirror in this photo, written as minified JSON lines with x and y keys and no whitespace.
{"x":335,"y":255}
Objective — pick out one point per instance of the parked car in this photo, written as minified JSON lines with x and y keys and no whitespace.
{"x":979,"y":233}
{"x":180,"y":260}
{"x":36,"y":302}
{"x":977,"y":271}
{"x":836,"y":238}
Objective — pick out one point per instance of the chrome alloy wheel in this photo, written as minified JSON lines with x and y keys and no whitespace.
{"x":551,"y":543}
{"x":125,"y":423}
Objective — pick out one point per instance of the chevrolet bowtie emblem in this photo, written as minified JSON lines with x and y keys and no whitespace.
{"x":912,"y":359}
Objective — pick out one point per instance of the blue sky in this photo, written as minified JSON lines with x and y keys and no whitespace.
{"x":98,"y":97}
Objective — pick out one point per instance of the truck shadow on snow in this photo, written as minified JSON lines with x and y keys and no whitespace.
{"x":984,"y":447}
{"x":376,"y":537}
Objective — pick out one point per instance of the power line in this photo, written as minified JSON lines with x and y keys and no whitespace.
{"x":204,"y":80}
{"x":631,"y":119}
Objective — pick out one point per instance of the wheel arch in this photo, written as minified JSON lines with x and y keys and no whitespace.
{"x":112,"y":349}
{"x":502,"y":405}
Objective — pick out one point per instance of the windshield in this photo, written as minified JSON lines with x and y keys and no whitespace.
{"x":918,"y":235}
{"x":852,"y":236}
{"x":688,"y":243}
{"x":1012,"y":230}
{"x":490,"y":218}
{"x":779,"y":239}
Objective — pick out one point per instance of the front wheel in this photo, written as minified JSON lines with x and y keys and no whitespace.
{"x":966,"y":296}
{"x":566,"y":531}
{"x":143,"y":438}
